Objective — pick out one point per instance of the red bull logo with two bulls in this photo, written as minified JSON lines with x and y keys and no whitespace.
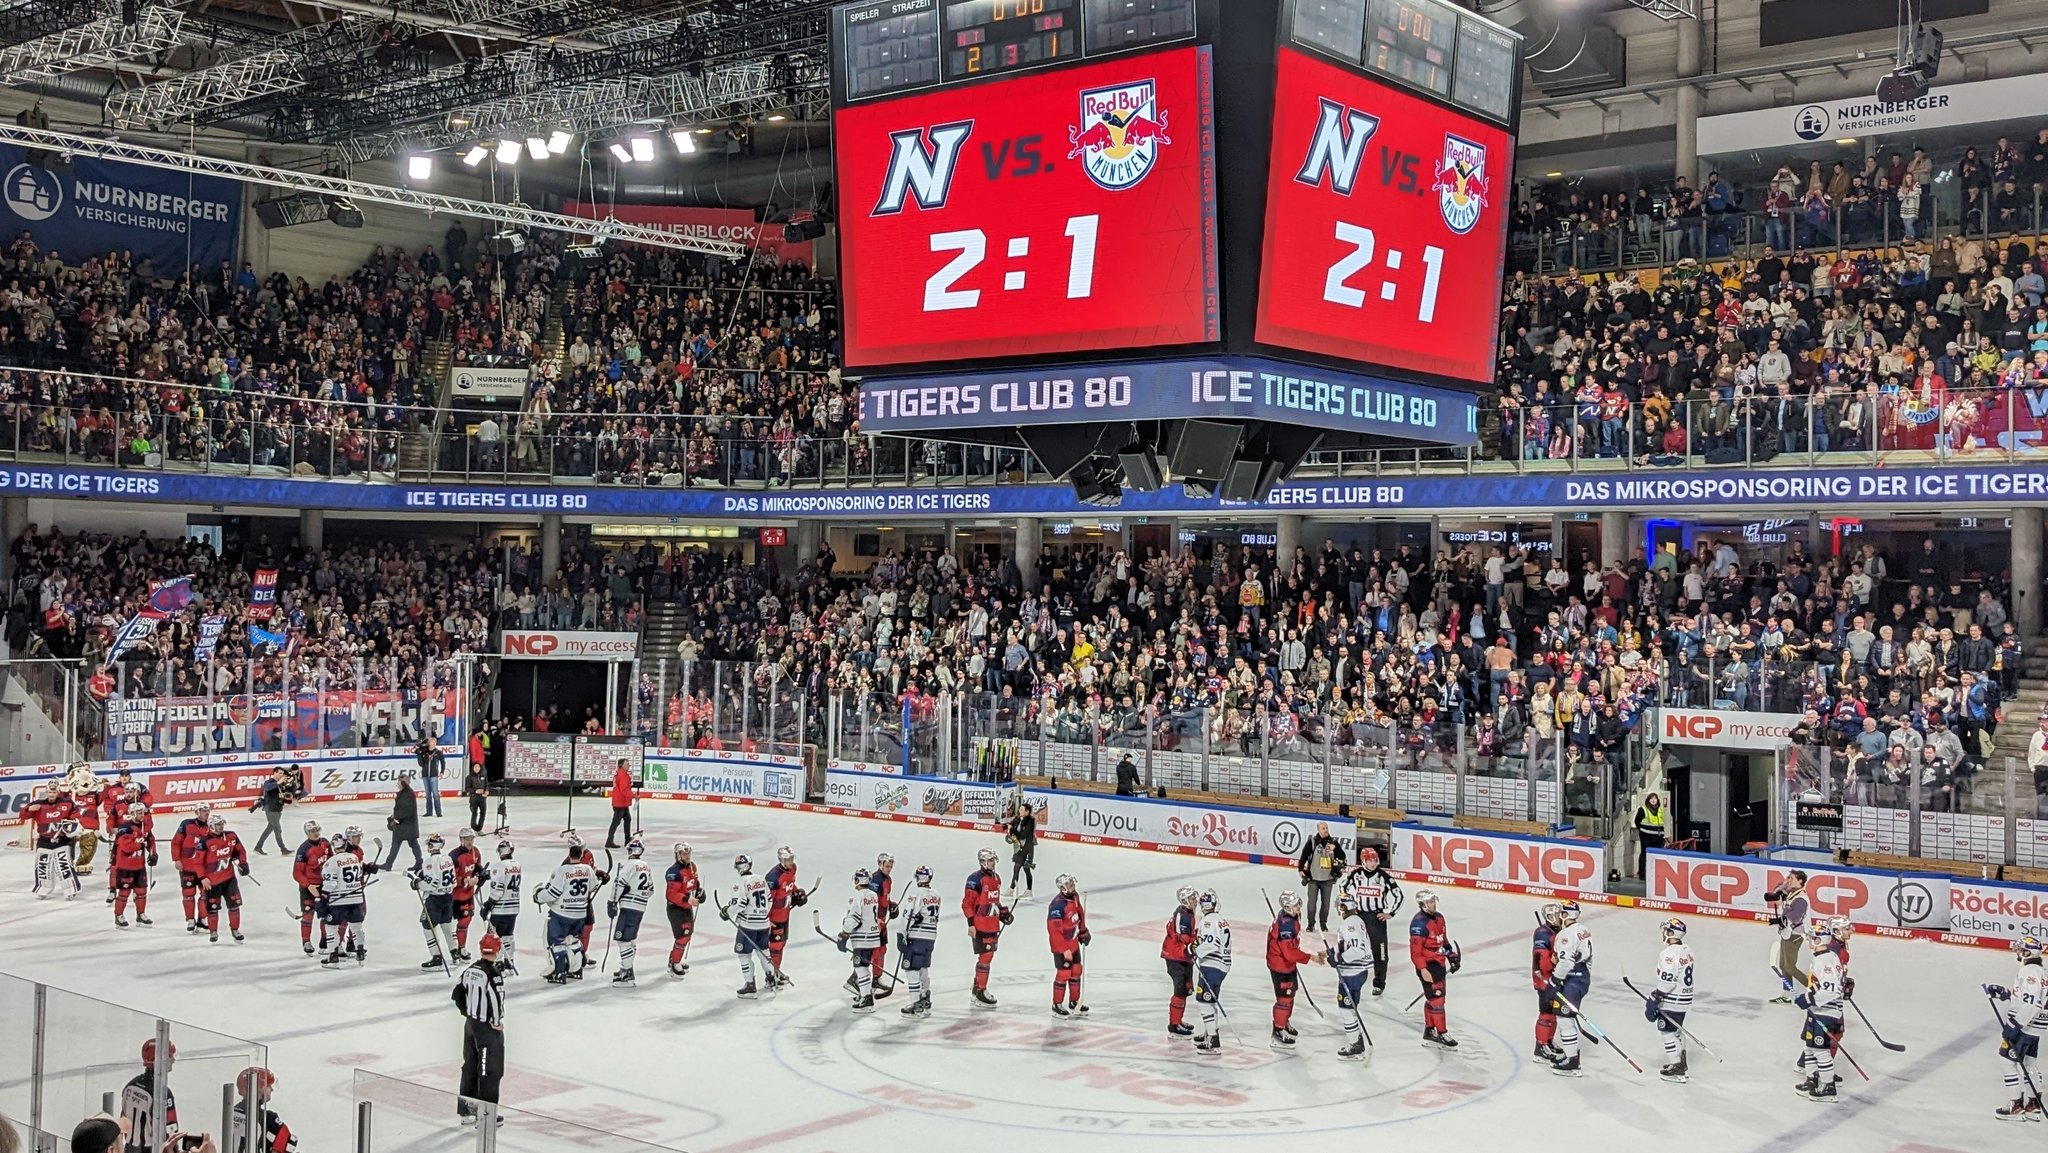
{"x":1121,"y":131}
{"x":1461,"y":183}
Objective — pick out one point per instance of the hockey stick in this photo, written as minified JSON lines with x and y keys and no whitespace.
{"x":611,"y":926}
{"x":2000,"y":1017}
{"x":818,"y":926}
{"x":1596,"y":1034}
{"x":775,"y":977}
{"x":1838,"y":1046}
{"x":1311,"y":997}
{"x":1216,"y":999}
{"x":1882,"y":1043}
{"x":1688,"y":1034}
{"x":433,"y":938}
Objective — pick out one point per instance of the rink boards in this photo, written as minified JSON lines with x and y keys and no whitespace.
{"x":1923,"y":905}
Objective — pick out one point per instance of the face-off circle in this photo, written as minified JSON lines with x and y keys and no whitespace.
{"x":1105,"y":1075}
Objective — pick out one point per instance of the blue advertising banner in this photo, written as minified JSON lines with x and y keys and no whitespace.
{"x":1792,"y":490}
{"x":103,"y":206}
{"x":1218,"y":388}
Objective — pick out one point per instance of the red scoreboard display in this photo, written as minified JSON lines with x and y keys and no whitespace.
{"x":992,"y":207}
{"x":1386,"y":213}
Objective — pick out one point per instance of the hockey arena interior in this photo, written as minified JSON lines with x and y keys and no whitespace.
{"x":834,"y":576}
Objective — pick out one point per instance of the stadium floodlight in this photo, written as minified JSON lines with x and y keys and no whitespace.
{"x":537,"y":148}
{"x":558,"y":142}
{"x":508,"y":152}
{"x":619,"y":150}
{"x":419,"y":167}
{"x":475,"y":155}
{"x":685,"y":142}
{"x":643,"y":149}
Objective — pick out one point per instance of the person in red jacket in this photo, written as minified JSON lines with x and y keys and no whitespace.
{"x":784,"y":895}
{"x":184,"y":844}
{"x":1284,"y":955}
{"x":622,"y":806}
{"x":134,"y":852}
{"x":306,"y":864}
{"x":1542,"y":963}
{"x":1066,"y":929}
{"x":1179,"y":952}
{"x":1435,"y":957}
{"x":986,"y":915}
{"x":469,"y":873}
{"x":220,"y":857}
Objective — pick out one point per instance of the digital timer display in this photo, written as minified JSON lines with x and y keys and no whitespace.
{"x":1063,"y":211}
{"x":989,"y":36}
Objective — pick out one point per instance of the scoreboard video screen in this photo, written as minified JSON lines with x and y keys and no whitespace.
{"x":1386,"y":212}
{"x":994,"y":206}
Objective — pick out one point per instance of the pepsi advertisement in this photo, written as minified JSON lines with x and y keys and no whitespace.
{"x":96,"y":207}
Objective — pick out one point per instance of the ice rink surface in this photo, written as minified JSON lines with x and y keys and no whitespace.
{"x":686,"y":1065}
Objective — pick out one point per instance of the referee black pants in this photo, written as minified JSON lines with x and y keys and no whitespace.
{"x":483,"y":1064}
{"x":1377,"y":930}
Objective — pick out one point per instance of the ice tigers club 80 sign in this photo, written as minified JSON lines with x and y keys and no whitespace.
{"x":1071,"y":210}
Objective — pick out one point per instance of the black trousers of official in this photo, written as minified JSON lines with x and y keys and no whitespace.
{"x":1376,"y":929}
{"x":622,"y":822}
{"x":476,"y":812}
{"x":483,"y":1064}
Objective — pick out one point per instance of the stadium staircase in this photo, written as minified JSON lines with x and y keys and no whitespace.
{"x":661,"y":630}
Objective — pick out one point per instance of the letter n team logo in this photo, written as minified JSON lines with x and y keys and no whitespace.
{"x":1461,"y":183}
{"x":1121,"y":129}
{"x":921,"y":166}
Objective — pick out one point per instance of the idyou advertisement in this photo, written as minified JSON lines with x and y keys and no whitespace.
{"x":1205,"y":829}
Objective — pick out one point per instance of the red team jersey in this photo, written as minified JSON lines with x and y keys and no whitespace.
{"x":468,"y":871}
{"x":682,"y":885}
{"x":982,"y":904}
{"x":1283,"y":945}
{"x":1542,"y":957}
{"x":132,"y":844}
{"x":1065,"y":920}
{"x":307,"y":861}
{"x":1180,"y":936}
{"x":219,"y":855}
{"x":781,"y":883}
{"x":185,"y":844}
{"x":1427,"y":940}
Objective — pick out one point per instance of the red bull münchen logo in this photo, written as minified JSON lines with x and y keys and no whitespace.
{"x":1461,"y":183}
{"x":1121,"y":131}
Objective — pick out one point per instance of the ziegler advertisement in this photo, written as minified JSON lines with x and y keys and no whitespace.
{"x":1071,"y":210}
{"x":1386,"y":225}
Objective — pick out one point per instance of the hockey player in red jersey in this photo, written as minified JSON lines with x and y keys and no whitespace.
{"x":1435,"y":957}
{"x":884,"y":885}
{"x":684,"y":893}
{"x":469,"y":874}
{"x":784,"y":895}
{"x":306,"y":863}
{"x":982,"y":905}
{"x":1542,"y":973}
{"x":134,"y":851}
{"x":221,"y":857}
{"x":1284,"y":955}
{"x":184,"y":846}
{"x":1066,"y":929}
{"x":1178,"y":949}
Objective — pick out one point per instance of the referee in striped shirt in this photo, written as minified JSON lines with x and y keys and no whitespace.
{"x":480,"y":994}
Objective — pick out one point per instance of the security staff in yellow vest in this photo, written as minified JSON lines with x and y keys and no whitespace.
{"x":1649,"y":829}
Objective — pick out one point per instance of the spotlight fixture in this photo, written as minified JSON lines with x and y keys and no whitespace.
{"x":643,"y":149}
{"x":558,"y":142}
{"x":419,"y":167}
{"x":508,"y":152}
{"x":619,"y":151}
{"x":536,"y":148}
{"x":475,"y":155}
{"x":685,"y":142}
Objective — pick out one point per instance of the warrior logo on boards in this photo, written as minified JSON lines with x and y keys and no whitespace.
{"x":1121,"y":131}
{"x":1461,"y":183}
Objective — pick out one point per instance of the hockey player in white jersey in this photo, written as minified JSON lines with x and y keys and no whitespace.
{"x":1352,"y":957}
{"x":916,"y":935}
{"x":632,"y":888}
{"x":2023,"y":1016}
{"x":1572,"y":976}
{"x":1671,"y":1000}
{"x":434,"y":881}
{"x":748,"y":913}
{"x":1822,"y":1000}
{"x":1212,"y":965}
{"x":343,"y":877}
{"x":500,"y":904}
{"x":568,"y":896}
{"x":860,"y":933}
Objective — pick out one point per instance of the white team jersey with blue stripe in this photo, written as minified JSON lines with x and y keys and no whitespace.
{"x":1674,"y":976}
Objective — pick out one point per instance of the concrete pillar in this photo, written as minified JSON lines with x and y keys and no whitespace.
{"x":1030,"y":537}
{"x":2026,"y":570}
{"x":312,"y":528}
{"x":1557,"y":536}
{"x":1686,"y":158}
{"x":550,"y":546}
{"x":1286,"y":538}
{"x":1614,"y":540}
{"x":810,"y":536}
{"x":13,"y":522}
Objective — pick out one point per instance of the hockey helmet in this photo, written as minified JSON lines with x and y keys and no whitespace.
{"x":436,"y":842}
{"x":137,"y":811}
{"x":1185,"y":896}
{"x":201,"y":809}
{"x":1368,"y":857}
{"x":1346,"y":903}
{"x":987,"y":857}
{"x":1673,"y":930}
{"x":312,"y":828}
{"x":635,"y":848}
{"x":353,"y":834}
{"x":1818,"y":933}
{"x":1425,"y":897}
{"x":682,"y":850}
{"x":1842,"y":928}
{"x":1290,"y":901}
{"x":2027,"y":948}
{"x":784,"y":854}
{"x":860,"y":878}
{"x":491,"y":946}
{"x":255,"y":1083}
{"x":883,"y":861}
{"x":466,"y":836}
{"x":217,"y":822}
{"x":504,"y":850}
{"x":572,"y":839}
{"x":922,"y":876}
{"x":1065,"y":883}
{"x":1567,"y":912}
{"x":149,"y":1052}
{"x":1550,"y":914}
{"x":1207,"y":902}
{"x":743,"y":864}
